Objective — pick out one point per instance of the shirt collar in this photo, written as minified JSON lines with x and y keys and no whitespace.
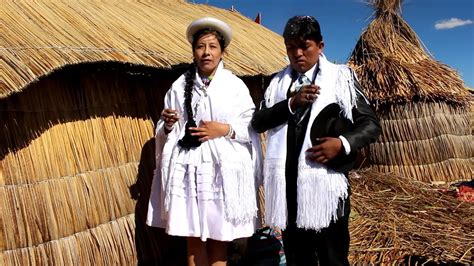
{"x":309,"y":74}
{"x":198,"y":79}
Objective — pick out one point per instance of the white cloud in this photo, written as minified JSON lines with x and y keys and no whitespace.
{"x":451,"y":23}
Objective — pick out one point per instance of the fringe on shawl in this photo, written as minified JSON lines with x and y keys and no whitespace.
{"x":319,"y":192}
{"x":275,"y":192}
{"x":239,"y":192}
{"x":160,"y":178}
{"x":345,"y":90}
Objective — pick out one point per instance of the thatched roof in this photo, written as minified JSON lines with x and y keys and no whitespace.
{"x":38,"y":37}
{"x":394,"y":67}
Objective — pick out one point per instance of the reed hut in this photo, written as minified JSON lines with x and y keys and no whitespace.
{"x":81,"y":87}
{"x":423,"y":104}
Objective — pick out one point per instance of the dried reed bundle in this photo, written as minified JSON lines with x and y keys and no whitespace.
{"x":471,"y":114}
{"x":423,"y":121}
{"x":50,"y":210}
{"x":107,"y":244}
{"x":40,"y":37}
{"x":395,"y":219}
{"x":393,"y":66}
{"x":428,"y":142}
{"x":71,"y":152}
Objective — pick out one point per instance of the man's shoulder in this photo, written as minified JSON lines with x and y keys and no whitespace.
{"x":345,"y":72}
{"x":341,"y":68}
{"x":281,"y":73}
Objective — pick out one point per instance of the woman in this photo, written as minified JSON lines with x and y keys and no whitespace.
{"x":206,"y":154}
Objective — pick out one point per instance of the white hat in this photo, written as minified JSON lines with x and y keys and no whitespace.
{"x":211,"y":23}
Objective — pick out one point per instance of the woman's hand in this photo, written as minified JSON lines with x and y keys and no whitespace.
{"x":210,"y":130}
{"x":170,"y":117}
{"x":307,"y":95}
{"x":326,"y":150}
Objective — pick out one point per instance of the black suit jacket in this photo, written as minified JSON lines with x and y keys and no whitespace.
{"x":364,"y":129}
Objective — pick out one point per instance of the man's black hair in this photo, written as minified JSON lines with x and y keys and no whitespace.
{"x":303,"y":27}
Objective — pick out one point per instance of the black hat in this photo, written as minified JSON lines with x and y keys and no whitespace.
{"x":331,"y":123}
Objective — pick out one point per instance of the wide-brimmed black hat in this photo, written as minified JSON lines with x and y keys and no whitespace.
{"x":331,"y":123}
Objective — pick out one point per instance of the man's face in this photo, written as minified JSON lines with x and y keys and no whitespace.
{"x":303,"y":54}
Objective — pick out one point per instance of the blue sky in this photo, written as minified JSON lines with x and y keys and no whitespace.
{"x":446,"y":27}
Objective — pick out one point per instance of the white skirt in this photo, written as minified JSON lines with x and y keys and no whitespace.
{"x":197,"y":207}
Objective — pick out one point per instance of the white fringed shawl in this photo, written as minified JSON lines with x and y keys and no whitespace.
{"x":237,"y":162}
{"x":319,"y":189}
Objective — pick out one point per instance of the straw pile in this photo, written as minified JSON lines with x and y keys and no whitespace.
{"x":396,"y":219}
{"x":39,"y":37}
{"x":423,"y":104}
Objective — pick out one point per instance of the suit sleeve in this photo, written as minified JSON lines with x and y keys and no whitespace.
{"x":366,"y":128}
{"x":268,"y":118}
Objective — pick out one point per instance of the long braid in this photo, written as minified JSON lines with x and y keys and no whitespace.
{"x":188,"y":92}
{"x":189,"y":141}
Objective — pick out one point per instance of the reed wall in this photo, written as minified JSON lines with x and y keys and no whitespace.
{"x":76,"y":164}
{"x":429,"y":142}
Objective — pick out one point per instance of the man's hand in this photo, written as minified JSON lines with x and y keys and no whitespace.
{"x":326,"y":150}
{"x":307,"y":95}
{"x":210,"y":130}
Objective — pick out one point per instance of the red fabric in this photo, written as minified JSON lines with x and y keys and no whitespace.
{"x":258,"y":19}
{"x":466,"y":193}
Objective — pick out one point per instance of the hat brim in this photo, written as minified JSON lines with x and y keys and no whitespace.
{"x":210,"y":23}
{"x":330,"y":123}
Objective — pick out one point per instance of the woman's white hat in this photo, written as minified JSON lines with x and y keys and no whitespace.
{"x":210,"y":23}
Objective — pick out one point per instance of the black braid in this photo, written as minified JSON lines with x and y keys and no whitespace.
{"x":189,"y":141}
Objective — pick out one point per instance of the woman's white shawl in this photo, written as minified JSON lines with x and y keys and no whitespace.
{"x":319,"y":189}
{"x":237,"y":161}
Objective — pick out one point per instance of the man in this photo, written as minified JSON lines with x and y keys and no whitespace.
{"x":317,"y":119}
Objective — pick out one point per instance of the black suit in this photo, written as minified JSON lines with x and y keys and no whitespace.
{"x":332,"y":243}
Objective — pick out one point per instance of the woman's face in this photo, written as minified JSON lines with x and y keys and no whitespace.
{"x":207,"y":54}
